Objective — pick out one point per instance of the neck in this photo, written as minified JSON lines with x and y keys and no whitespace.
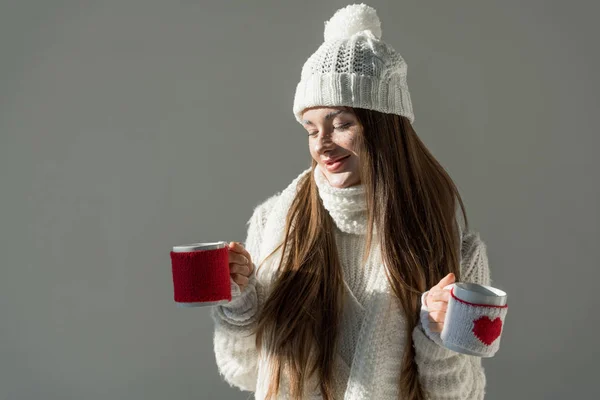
{"x":347,"y":206}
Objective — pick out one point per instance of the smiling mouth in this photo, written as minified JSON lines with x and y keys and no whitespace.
{"x":337,"y":164}
{"x":336,"y":160}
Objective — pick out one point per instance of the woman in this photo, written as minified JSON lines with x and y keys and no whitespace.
{"x":343,"y":271}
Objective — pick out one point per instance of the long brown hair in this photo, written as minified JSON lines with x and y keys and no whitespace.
{"x":411,"y":202}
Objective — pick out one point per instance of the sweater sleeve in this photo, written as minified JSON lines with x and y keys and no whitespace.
{"x":234,"y":339}
{"x":446,"y":374}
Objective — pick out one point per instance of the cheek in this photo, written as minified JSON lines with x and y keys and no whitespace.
{"x":353,"y":144}
{"x":351,"y":141}
{"x":312,"y":148}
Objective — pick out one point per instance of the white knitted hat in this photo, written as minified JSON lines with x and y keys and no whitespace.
{"x":354,"y":68}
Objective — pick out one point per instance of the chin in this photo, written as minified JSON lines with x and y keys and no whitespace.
{"x":342,"y":179}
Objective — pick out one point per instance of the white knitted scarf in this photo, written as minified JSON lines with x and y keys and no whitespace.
{"x":347,"y":206}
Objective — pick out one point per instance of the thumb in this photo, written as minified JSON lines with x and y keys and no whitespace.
{"x":447,"y":280}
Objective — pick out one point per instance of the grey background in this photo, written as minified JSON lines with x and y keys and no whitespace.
{"x":127,"y":127}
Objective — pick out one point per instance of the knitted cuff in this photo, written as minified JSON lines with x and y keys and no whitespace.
{"x":243,"y":305}
{"x":473,"y":329}
{"x":424,"y":316}
{"x":427,"y":350}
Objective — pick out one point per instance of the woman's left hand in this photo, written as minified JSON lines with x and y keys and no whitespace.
{"x":436,"y":302}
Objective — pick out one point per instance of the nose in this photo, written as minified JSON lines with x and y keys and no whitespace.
{"x":324,"y":144}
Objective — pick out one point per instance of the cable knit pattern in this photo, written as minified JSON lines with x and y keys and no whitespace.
{"x":371,"y":343}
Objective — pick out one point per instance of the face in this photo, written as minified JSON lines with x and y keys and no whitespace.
{"x":333,"y":134}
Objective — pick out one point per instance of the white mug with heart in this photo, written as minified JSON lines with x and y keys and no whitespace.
{"x":474,"y":319}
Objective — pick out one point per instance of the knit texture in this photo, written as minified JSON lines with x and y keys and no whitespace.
{"x":354,"y":67}
{"x":367,"y":364}
{"x":200,"y":276}
{"x":347,"y":206}
{"x":474,"y":328}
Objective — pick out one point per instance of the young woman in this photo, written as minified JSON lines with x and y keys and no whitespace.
{"x":342,"y":273}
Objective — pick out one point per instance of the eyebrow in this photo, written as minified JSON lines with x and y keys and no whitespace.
{"x":328,"y":116}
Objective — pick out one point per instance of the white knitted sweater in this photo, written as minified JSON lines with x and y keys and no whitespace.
{"x":372,"y":336}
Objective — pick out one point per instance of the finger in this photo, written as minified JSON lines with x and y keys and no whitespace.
{"x":436,"y":327}
{"x":438,"y":295}
{"x":448,"y":279}
{"x":239,"y":269}
{"x":437,"y":316}
{"x":438,"y":306}
{"x":240,"y":279}
{"x":237,"y":258}
{"x":238,"y":247}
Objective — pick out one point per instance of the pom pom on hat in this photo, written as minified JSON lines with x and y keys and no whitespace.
{"x":352,"y":19}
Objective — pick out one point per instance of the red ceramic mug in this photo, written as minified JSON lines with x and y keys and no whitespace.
{"x":201,"y":274}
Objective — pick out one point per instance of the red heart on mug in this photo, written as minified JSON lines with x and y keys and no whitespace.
{"x":487,"y":330}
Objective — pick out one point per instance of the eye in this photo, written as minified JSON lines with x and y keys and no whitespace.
{"x":343,"y":126}
{"x":312,"y":133}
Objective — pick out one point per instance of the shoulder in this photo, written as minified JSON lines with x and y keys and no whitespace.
{"x":263,"y":210}
{"x":276,"y":204}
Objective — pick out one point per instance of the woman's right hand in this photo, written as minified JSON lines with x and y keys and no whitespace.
{"x":240,"y":264}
